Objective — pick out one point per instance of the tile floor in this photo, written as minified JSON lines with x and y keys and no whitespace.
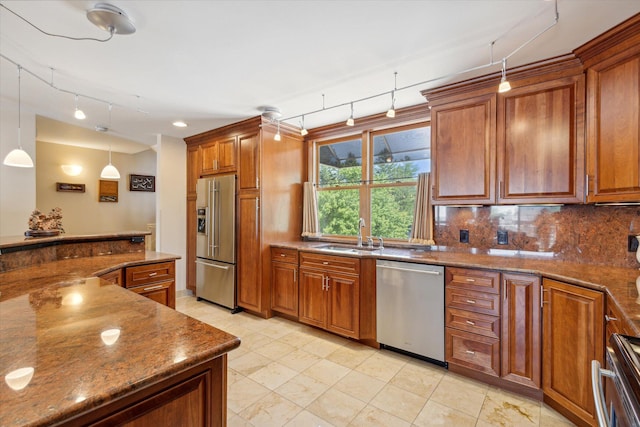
{"x":289,"y":374}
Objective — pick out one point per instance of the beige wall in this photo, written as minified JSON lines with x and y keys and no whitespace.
{"x":82,"y":213}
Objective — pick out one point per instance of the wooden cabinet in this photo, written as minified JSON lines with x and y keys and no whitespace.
{"x":154,"y":281}
{"x":249,"y":176}
{"x":249,"y":274}
{"x":522,"y":146}
{"x":116,"y":277}
{"x":330,"y":293}
{"x":218,"y":156}
{"x":521,"y":329}
{"x":615,"y":322}
{"x":193,"y":173}
{"x":463,"y":150}
{"x":612,"y":61}
{"x":573,"y":323}
{"x":284,"y":281}
{"x":540,"y":142}
{"x":472,"y":307}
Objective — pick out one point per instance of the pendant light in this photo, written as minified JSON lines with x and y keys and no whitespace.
{"x":79,"y":114}
{"x":110,"y":171}
{"x":505,"y":86}
{"x":303,"y":130}
{"x":391,"y":113}
{"x":277,"y":137}
{"x":350,"y":121}
{"x":18,"y":157}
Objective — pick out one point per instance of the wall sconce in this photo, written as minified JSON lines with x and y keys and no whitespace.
{"x":72,"y":170}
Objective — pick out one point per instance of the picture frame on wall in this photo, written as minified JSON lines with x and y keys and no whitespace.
{"x":66,"y":187}
{"x":142,"y":183}
{"x":108,"y":191}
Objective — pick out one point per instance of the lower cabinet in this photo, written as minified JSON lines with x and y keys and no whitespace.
{"x":330,"y":293}
{"x":573,"y":336}
{"x":116,"y":277}
{"x":284,"y":281}
{"x":154,"y":281}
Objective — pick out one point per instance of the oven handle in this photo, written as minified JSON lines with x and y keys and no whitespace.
{"x":598,"y":394}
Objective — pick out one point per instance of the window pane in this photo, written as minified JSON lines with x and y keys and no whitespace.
{"x":340,"y":163}
{"x":401,"y":156}
{"x":338,"y":211}
{"x":392,"y":211}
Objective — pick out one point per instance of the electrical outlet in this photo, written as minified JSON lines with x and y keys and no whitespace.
{"x":632,"y":243}
{"x":503,"y":237}
{"x":464,"y":236}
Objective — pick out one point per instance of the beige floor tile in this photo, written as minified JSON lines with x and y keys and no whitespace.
{"x":299,"y":360}
{"x":271,"y":410}
{"x":349,"y":356}
{"x":307,"y":419}
{"x":238,"y":352}
{"x":381,"y":365}
{"x":297,"y":339}
{"x":320,"y":347}
{"x":418,"y":379}
{"x":244,"y":393}
{"x":359,"y":385}
{"x":336,"y":407}
{"x":302,"y":390}
{"x":275,"y":330}
{"x":249,"y":363}
{"x":434,"y":414}
{"x":275,"y":350}
{"x":237,"y":421}
{"x":233,"y":376}
{"x":550,"y":418}
{"x":459,"y":394}
{"x":326,"y":371}
{"x":255,"y":340}
{"x":273,"y":375}
{"x":501,"y":408}
{"x":399,"y":402}
{"x":372,"y":416}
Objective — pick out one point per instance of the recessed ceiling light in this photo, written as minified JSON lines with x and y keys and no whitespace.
{"x":179,"y":124}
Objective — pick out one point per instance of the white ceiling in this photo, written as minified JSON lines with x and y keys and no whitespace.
{"x":212,"y":63}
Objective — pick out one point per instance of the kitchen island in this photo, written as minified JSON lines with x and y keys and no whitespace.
{"x":103,"y":354}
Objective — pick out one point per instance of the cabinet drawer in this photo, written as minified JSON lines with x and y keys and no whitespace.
{"x":478,"y":302}
{"x":330,"y":262}
{"x":163,"y":292}
{"x":143,"y":274}
{"x":284,"y":255}
{"x":475,"y":280}
{"x":476,"y":323}
{"x":473,"y":351}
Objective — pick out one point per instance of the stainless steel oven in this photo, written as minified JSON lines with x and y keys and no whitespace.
{"x":619,"y":404}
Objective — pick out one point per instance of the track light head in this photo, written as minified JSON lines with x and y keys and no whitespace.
{"x":504,"y":86}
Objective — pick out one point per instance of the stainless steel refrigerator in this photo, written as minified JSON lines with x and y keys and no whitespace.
{"x":215,"y":240}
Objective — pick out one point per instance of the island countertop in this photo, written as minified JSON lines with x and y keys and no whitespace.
{"x":51,"y":318}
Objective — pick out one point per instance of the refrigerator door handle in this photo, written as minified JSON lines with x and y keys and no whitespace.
{"x":212,"y":219}
{"x":212,"y":265}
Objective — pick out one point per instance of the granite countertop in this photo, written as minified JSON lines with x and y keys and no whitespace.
{"x":51,"y":318}
{"x":22,"y":241}
{"x":621,"y":284}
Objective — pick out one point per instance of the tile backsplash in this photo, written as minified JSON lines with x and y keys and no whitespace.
{"x":575,"y":233}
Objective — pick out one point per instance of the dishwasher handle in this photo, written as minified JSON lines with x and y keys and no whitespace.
{"x":431,"y":272}
{"x":598,"y":394}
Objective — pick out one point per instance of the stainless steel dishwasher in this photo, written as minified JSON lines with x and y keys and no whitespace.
{"x":410,"y":308}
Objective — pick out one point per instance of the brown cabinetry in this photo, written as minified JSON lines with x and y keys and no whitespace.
{"x":572,"y":337}
{"x":615,"y":322}
{"x":218,"y":156}
{"x":154,"y":281}
{"x":284,"y":281}
{"x":523,"y":146}
{"x":330,"y":293}
{"x":116,"y":277}
{"x":612,"y":61}
{"x":249,"y":274}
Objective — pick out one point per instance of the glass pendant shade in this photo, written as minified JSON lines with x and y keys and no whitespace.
{"x":505,"y":86}
{"x":79,"y":114}
{"x":18,"y":158}
{"x":110,"y":172}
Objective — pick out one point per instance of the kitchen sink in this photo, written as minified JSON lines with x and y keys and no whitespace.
{"x":345,"y":248}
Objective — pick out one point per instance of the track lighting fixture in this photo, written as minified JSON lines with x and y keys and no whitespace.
{"x":350,"y":121}
{"x":277,"y":136}
{"x":18,"y":157}
{"x":505,"y":86}
{"x":303,"y":130}
{"x":79,"y":114}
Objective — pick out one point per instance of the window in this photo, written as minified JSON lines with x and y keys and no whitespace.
{"x":374,"y":177}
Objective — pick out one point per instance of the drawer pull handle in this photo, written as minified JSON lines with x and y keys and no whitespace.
{"x":470,"y":280}
{"x":325,"y":262}
{"x":609,"y":318}
{"x":151,"y":288}
{"x":470,"y":301}
{"x":282,"y":255}
{"x":471,"y":323}
{"x":155,"y":273}
{"x":470,"y":352}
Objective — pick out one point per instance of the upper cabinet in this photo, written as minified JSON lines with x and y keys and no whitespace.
{"x":523,"y":146}
{"x":218,"y":156}
{"x":612,"y":64}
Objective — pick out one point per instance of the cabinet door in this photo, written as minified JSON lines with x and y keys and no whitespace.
{"x":613,"y":130}
{"x":227,"y":155}
{"x":284,"y":288}
{"x":572,"y":336}
{"x":249,"y":265}
{"x":343,"y":314}
{"x":521,"y":326}
{"x":209,"y":158}
{"x":313,"y":306}
{"x":463,"y":151}
{"x":193,"y":169}
{"x":115,"y":277}
{"x":249,"y":175}
{"x":541,"y":143}
{"x":164,"y":292}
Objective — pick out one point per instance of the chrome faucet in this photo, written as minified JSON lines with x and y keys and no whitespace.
{"x":381,"y":243}
{"x":360,"y":226}
{"x":369,"y":242}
